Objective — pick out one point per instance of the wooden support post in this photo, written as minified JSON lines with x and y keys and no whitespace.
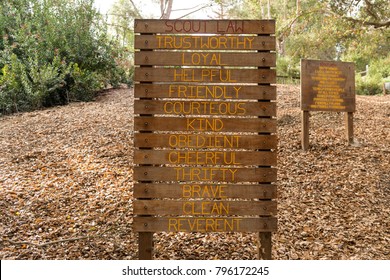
{"x":264,"y":246}
{"x":305,"y":130}
{"x":145,"y":239}
{"x":349,"y":127}
{"x":145,"y":245}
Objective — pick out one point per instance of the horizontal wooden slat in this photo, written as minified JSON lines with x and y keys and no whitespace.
{"x":205,"y":75}
{"x":201,"y":224}
{"x":204,"y":191}
{"x":204,"y":158}
{"x":185,"y":26}
{"x":167,"y":58}
{"x":205,"y":141}
{"x":205,"y":91}
{"x":204,"y":208}
{"x":204,"y":174}
{"x":205,"y":124}
{"x":217,"y":42}
{"x":221,"y":108}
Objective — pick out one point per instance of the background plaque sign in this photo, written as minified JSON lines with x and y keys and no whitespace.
{"x":327,"y":86}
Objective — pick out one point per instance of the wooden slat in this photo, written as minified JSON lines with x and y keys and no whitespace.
{"x":205,"y":91}
{"x":169,"y":58}
{"x":189,"y":26}
{"x":205,"y":141}
{"x":205,"y":158}
{"x":205,"y":75}
{"x":201,"y":224}
{"x":204,"y":191}
{"x":204,"y":208}
{"x":213,"y":108}
{"x":204,"y":174}
{"x":218,"y":42}
{"x":205,"y":124}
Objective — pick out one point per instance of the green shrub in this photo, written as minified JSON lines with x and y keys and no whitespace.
{"x":371,"y":84}
{"x":83,"y":84}
{"x":53,"y":52}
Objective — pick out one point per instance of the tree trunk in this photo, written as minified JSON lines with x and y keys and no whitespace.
{"x":262,"y":9}
{"x":269,"y":9}
{"x":166,"y":8}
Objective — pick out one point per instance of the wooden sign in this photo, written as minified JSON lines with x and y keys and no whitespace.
{"x":327,"y":86}
{"x":205,"y":140}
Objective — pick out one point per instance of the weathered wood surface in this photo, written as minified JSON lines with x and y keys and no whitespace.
{"x":204,"y":207}
{"x":205,"y":158}
{"x":202,"y":224}
{"x":327,"y":86}
{"x":348,"y":119}
{"x":145,"y":245}
{"x":175,"y":58}
{"x":216,"y":42}
{"x":261,"y":125}
{"x":213,"y":108}
{"x":204,"y":174}
{"x":205,"y":75}
{"x":204,"y":191}
{"x":305,"y":126}
{"x":188,"y":26}
{"x":205,"y":141}
{"x":204,"y":91}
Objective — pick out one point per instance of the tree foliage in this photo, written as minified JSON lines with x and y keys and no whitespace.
{"x":349,"y":30}
{"x":53,"y":52}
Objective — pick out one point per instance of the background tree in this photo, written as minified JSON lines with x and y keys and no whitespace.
{"x":350,"y":30}
{"x":53,"y":52}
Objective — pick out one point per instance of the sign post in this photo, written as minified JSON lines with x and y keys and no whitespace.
{"x":205,"y":140}
{"x":327,"y":86}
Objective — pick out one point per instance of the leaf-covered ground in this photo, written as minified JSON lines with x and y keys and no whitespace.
{"x":66,"y":186}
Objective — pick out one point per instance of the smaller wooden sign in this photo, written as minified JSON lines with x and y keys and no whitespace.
{"x":327,"y":86}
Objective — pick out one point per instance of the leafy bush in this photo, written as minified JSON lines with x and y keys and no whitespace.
{"x":370,"y":85}
{"x":53,"y":52}
{"x":379,"y":73}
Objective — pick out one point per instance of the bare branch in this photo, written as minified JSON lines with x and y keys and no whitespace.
{"x":136,"y":9}
{"x":203,"y":7}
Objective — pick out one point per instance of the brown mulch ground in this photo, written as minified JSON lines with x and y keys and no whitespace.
{"x":66,"y":186}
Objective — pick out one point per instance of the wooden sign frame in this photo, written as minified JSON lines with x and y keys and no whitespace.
{"x":327,"y":86}
{"x":205,"y":129}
